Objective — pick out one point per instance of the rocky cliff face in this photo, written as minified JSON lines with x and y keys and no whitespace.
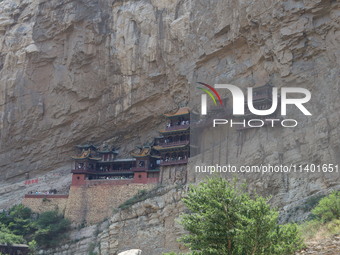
{"x":76,"y":71}
{"x":96,"y":70}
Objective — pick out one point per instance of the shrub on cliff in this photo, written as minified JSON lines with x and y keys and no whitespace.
{"x":224,"y":219}
{"x":7,"y":237}
{"x":52,"y":228}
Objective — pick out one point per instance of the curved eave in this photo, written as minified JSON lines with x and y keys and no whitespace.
{"x":160,"y":148}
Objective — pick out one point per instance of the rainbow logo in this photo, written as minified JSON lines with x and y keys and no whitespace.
{"x":211,"y":94}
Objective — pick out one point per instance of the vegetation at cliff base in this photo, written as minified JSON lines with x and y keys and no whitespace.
{"x":324,"y":220}
{"x":51,"y":229}
{"x":328,"y":208}
{"x":223,"y":219}
{"x":20,"y":225}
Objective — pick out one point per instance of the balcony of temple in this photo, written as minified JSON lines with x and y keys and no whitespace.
{"x":173,"y":155}
{"x":116,"y":165}
{"x":175,"y":158}
{"x":172,"y":140}
{"x":118,"y":169}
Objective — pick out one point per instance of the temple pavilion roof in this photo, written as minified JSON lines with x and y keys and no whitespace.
{"x":181,"y":111}
{"x":86,"y":154}
{"x":144,"y":152}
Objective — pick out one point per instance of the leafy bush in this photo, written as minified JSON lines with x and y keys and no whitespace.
{"x":19,"y":220}
{"x":7,"y":237}
{"x":328,"y":208}
{"x":224,"y":219}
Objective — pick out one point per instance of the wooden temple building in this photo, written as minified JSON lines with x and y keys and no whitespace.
{"x":173,"y":144}
{"x":96,"y":164}
{"x":171,"y":148}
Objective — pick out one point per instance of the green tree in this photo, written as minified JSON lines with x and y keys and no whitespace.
{"x":7,"y":237}
{"x":328,"y":208}
{"x":19,"y":221}
{"x":51,"y":229}
{"x":223,"y":219}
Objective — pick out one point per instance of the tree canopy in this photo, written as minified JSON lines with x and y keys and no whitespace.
{"x":20,"y":225}
{"x":224,"y":219}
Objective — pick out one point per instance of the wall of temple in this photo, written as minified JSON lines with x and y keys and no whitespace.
{"x":95,"y":201}
{"x":43,"y":203}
